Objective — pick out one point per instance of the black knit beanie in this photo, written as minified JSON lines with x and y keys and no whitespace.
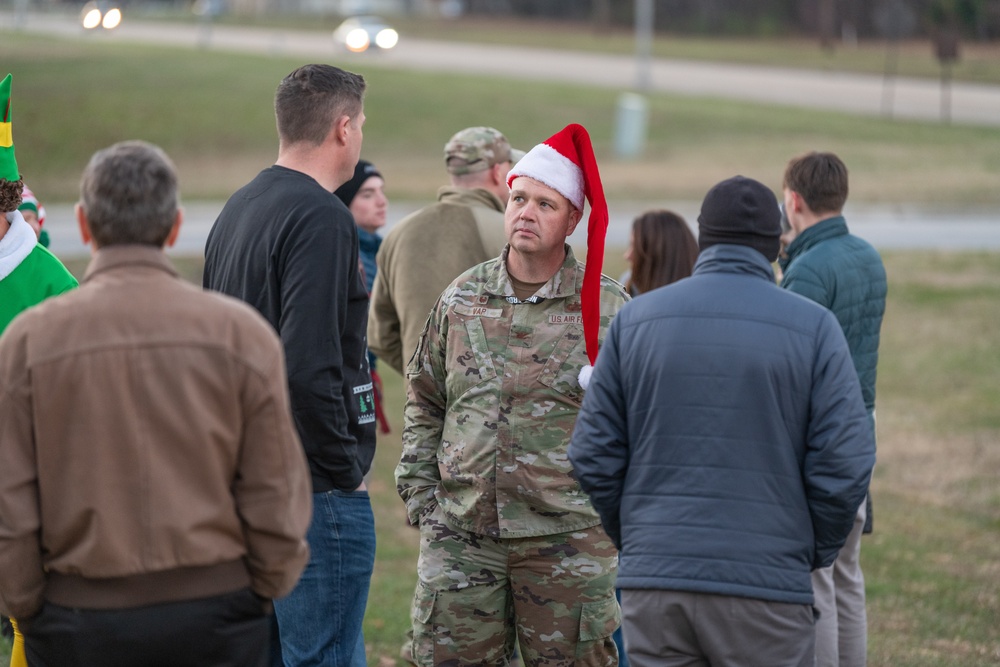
{"x":741,"y":211}
{"x":362,"y":173}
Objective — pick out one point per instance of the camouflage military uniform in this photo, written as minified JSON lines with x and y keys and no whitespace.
{"x":508,"y":538}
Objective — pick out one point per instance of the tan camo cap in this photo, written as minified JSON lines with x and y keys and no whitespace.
{"x":477,"y":149}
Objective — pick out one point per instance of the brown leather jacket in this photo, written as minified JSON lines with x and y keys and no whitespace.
{"x":146,"y":446}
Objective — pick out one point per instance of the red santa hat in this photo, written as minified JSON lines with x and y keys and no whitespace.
{"x":565,"y":162}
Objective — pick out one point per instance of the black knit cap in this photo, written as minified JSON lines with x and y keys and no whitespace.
{"x":362,"y":173}
{"x":741,"y":211}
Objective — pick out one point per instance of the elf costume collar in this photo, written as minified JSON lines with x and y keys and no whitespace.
{"x":16,"y":244}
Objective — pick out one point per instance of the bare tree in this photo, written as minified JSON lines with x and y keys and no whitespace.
{"x":827,"y":20}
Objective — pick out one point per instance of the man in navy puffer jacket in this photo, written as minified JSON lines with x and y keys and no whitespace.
{"x":726,"y":445}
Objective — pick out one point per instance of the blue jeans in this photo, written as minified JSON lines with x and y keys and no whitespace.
{"x":619,"y":638}
{"x":320,"y":621}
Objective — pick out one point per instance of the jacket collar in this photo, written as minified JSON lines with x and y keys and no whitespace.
{"x":823,"y":230}
{"x":470,"y":197}
{"x":563,"y":284}
{"x":128,"y":256}
{"x":735,"y":259}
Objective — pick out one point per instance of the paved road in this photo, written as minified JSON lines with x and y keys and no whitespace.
{"x":853,"y":93}
{"x":886,"y":227}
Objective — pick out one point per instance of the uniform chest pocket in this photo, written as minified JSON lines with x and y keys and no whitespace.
{"x":470,"y":362}
{"x":562,"y":369}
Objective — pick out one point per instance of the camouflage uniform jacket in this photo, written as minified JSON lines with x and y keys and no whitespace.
{"x":492,"y":398}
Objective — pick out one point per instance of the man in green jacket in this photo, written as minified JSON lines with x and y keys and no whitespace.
{"x":825,"y":263}
{"x":28,"y":272}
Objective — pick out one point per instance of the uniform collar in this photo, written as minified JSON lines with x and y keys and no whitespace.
{"x":480,"y":196}
{"x":565,"y":283}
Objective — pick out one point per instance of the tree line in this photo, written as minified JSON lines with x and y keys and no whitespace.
{"x":828,"y":20}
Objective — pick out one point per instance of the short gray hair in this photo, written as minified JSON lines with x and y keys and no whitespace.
{"x":129,"y":194}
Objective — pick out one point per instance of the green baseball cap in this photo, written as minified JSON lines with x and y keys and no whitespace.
{"x":477,"y":149}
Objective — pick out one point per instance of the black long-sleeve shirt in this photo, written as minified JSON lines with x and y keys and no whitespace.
{"x":289,"y":248}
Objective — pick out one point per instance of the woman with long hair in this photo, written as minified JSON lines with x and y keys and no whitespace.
{"x":662,"y":250}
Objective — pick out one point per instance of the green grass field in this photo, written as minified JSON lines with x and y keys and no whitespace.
{"x":212,"y":113}
{"x":933,"y":563}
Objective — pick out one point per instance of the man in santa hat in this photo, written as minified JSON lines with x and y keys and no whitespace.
{"x":511,"y":549}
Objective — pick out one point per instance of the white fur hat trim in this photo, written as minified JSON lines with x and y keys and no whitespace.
{"x":550,"y":167}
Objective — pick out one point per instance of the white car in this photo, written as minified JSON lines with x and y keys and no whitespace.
{"x":359,"y":33}
{"x":100,"y":15}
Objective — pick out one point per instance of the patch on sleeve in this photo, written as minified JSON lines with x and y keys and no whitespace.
{"x":366,"y":403}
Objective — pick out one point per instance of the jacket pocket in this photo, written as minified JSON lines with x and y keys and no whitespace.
{"x":470,"y":362}
{"x":423,"y":603}
{"x":562,"y":369}
{"x":422,"y":613}
{"x":599,"y":619}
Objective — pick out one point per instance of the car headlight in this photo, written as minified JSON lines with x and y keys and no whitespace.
{"x":386,"y":38}
{"x":90,"y":17}
{"x":112,"y":18}
{"x":357,"y":40}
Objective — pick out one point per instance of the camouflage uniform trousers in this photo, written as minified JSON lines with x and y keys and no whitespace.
{"x":477,"y":595}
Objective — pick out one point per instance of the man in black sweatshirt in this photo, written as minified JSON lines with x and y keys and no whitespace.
{"x":287,"y":246}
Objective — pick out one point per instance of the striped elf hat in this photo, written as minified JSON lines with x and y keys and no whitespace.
{"x":29,"y":202}
{"x":8,"y":165}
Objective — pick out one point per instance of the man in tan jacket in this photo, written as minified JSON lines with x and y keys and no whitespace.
{"x":428,"y":249}
{"x":154,"y":495}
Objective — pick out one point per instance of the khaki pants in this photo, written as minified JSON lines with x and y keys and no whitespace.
{"x":477,"y":595}
{"x":842,"y":627}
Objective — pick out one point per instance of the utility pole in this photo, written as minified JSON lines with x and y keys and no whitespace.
{"x":644,"y":43}
{"x":632,"y":117}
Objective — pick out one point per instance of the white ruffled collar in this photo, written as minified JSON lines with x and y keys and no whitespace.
{"x":16,"y":244}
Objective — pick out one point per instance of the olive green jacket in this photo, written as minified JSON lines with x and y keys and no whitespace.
{"x":419,"y":257}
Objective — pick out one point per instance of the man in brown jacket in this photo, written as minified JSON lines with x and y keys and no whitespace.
{"x":154,"y":495}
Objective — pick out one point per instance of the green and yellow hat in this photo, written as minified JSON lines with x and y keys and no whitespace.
{"x":8,"y":165}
